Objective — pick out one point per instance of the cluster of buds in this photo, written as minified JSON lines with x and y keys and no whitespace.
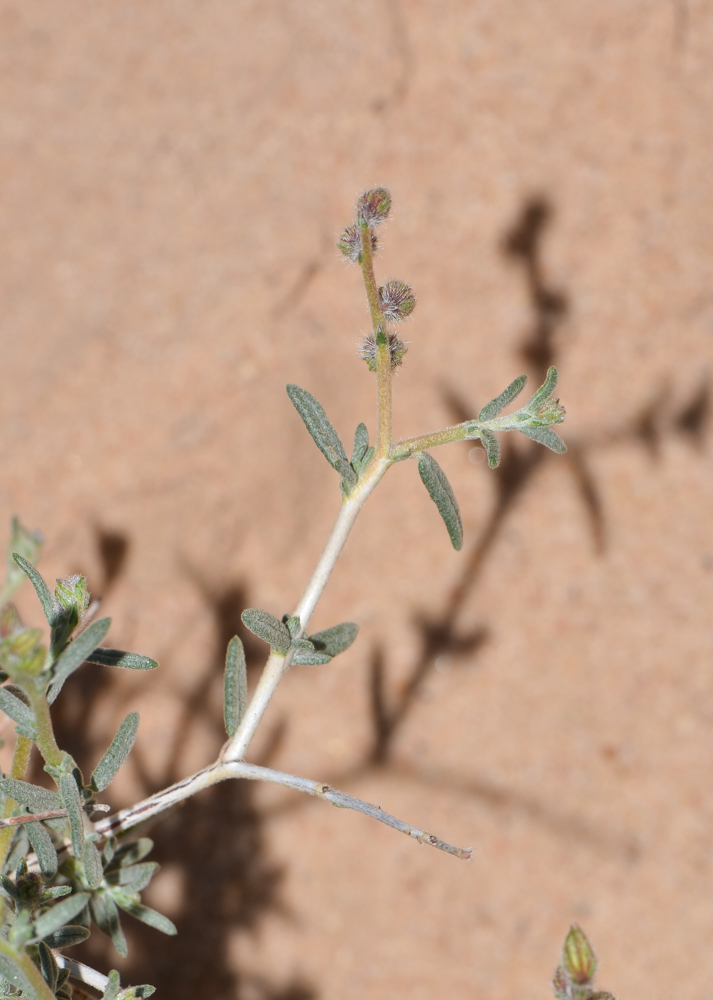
{"x":574,"y":978}
{"x":397,"y":349}
{"x":550,"y":412}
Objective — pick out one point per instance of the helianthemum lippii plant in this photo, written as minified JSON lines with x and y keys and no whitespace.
{"x":64,"y":868}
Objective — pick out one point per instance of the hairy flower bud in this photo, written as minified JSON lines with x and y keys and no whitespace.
{"x":373,"y":206}
{"x":550,"y":412}
{"x":561,"y":984}
{"x":350,"y":243}
{"x":72,"y":593}
{"x":397,"y":349}
{"x":397,"y":300}
{"x":578,"y":957}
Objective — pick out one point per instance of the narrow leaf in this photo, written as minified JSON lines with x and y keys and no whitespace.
{"x":144,"y":913}
{"x":9,"y":888}
{"x":293,"y":625}
{"x":317,"y":423}
{"x":361,"y":443}
{"x":268,"y":628}
{"x":118,"y":658}
{"x":347,"y":474}
{"x":506,"y":397}
{"x":92,"y":861}
{"x":117,"y":753}
{"x":60,"y":914}
{"x":336,"y":639}
{"x":544,"y":392}
{"x":11,"y":970}
{"x":545,"y":436}
{"x":75,"y":654}
{"x":73,"y":804}
{"x":310,"y":658}
{"x":235,"y":686}
{"x":41,"y":588}
{"x":44,"y":849}
{"x":129,"y":854}
{"x":113,"y":986}
{"x":18,"y":711}
{"x":67,"y":936}
{"x":26,"y":544}
{"x":33,"y":797}
{"x":492,"y":448}
{"x":48,"y":966}
{"x":439,"y":489}
{"x":136,"y":877}
{"x":105,"y":915}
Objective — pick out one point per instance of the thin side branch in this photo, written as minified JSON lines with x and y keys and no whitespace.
{"x":33,"y":817}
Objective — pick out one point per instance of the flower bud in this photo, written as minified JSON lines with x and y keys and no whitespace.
{"x":350,"y":243}
{"x":373,"y":206}
{"x":560,"y":984}
{"x":397,"y":349}
{"x":578,"y":957}
{"x":550,"y":412}
{"x":71,"y":594}
{"x":397,"y":300}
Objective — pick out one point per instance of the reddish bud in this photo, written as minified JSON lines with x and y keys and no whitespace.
{"x":373,"y":206}
{"x":578,"y":957}
{"x":397,"y":300}
{"x":350,"y":243}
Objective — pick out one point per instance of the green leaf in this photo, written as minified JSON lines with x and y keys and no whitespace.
{"x":67,"y":936}
{"x":235,"y":685}
{"x":545,"y":436}
{"x":48,"y":965}
{"x":268,"y":628}
{"x":11,"y":970}
{"x":310,"y":658}
{"x":144,"y":913}
{"x":44,"y":849}
{"x":494,"y":407}
{"x":347,"y":475}
{"x":92,"y":861}
{"x":33,"y":797}
{"x":41,"y":588}
{"x":75,"y":654}
{"x":136,"y":850}
{"x":336,"y":639}
{"x":361,"y":443}
{"x":544,"y":392}
{"x":135,"y":878}
{"x":60,"y":914}
{"x":73,"y":804}
{"x":105,"y":915}
{"x":118,"y":751}
{"x":26,"y":544}
{"x":118,"y":658}
{"x":293,"y":625}
{"x":13,"y":705}
{"x":492,"y":448}
{"x":439,"y":489}
{"x":317,"y":423}
{"x":113,"y":986}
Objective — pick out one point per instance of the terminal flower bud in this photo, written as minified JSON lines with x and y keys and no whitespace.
{"x":397,"y":300}
{"x":72,"y":593}
{"x":578,"y":957}
{"x":373,"y":206}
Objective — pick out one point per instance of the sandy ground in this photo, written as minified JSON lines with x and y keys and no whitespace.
{"x":174,"y":176}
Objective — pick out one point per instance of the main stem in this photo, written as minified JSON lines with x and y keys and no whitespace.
{"x":383,"y":353}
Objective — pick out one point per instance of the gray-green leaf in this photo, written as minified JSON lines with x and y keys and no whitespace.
{"x":439,"y":489}
{"x":361,"y":443}
{"x":492,"y":448}
{"x":67,"y":936}
{"x":44,"y":849}
{"x":268,"y":628}
{"x":318,"y":424}
{"x":117,"y":753}
{"x":144,"y":913}
{"x":494,"y":407}
{"x":92,"y":861}
{"x":75,"y":654}
{"x":336,"y":639}
{"x":16,"y":708}
{"x":544,"y":392}
{"x":310,"y":657}
{"x":135,"y":878}
{"x":73,"y":804}
{"x":11,"y":970}
{"x":26,"y":544}
{"x":33,"y":797}
{"x":118,"y":658}
{"x":235,"y":686}
{"x":106,"y":916}
{"x":60,"y":914}
{"x":545,"y":436}
{"x":41,"y":588}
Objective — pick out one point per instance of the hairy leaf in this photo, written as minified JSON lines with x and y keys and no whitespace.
{"x":41,"y":588}
{"x":135,"y":878}
{"x":33,"y":797}
{"x":44,"y":849}
{"x":268,"y":628}
{"x":347,"y":474}
{"x":73,"y":804}
{"x":545,"y":390}
{"x":506,"y":397}
{"x":48,"y":965}
{"x":9,"y":888}
{"x":92,"y":861}
{"x":439,"y":489}
{"x":336,"y":639}
{"x":26,"y":544}
{"x":11,"y":970}
{"x":545,"y":436}
{"x":492,"y":448}
{"x":17,"y":710}
{"x":317,"y":423}
{"x":113,"y":986}
{"x":144,"y":913}
{"x":117,"y":753}
{"x":67,"y":936}
{"x":136,"y":850}
{"x":60,"y":914}
{"x":361,"y":443}
{"x":118,"y":658}
{"x":310,"y":658}
{"x":235,"y":686}
{"x":105,"y":915}
{"x":75,"y":654}
{"x":293,"y":625}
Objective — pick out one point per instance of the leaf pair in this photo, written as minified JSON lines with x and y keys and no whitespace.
{"x":328,"y":441}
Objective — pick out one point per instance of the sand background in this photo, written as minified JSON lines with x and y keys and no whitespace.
{"x":174,"y":176}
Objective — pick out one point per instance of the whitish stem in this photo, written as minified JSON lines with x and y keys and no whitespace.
{"x":223,"y":770}
{"x":277,"y":664}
